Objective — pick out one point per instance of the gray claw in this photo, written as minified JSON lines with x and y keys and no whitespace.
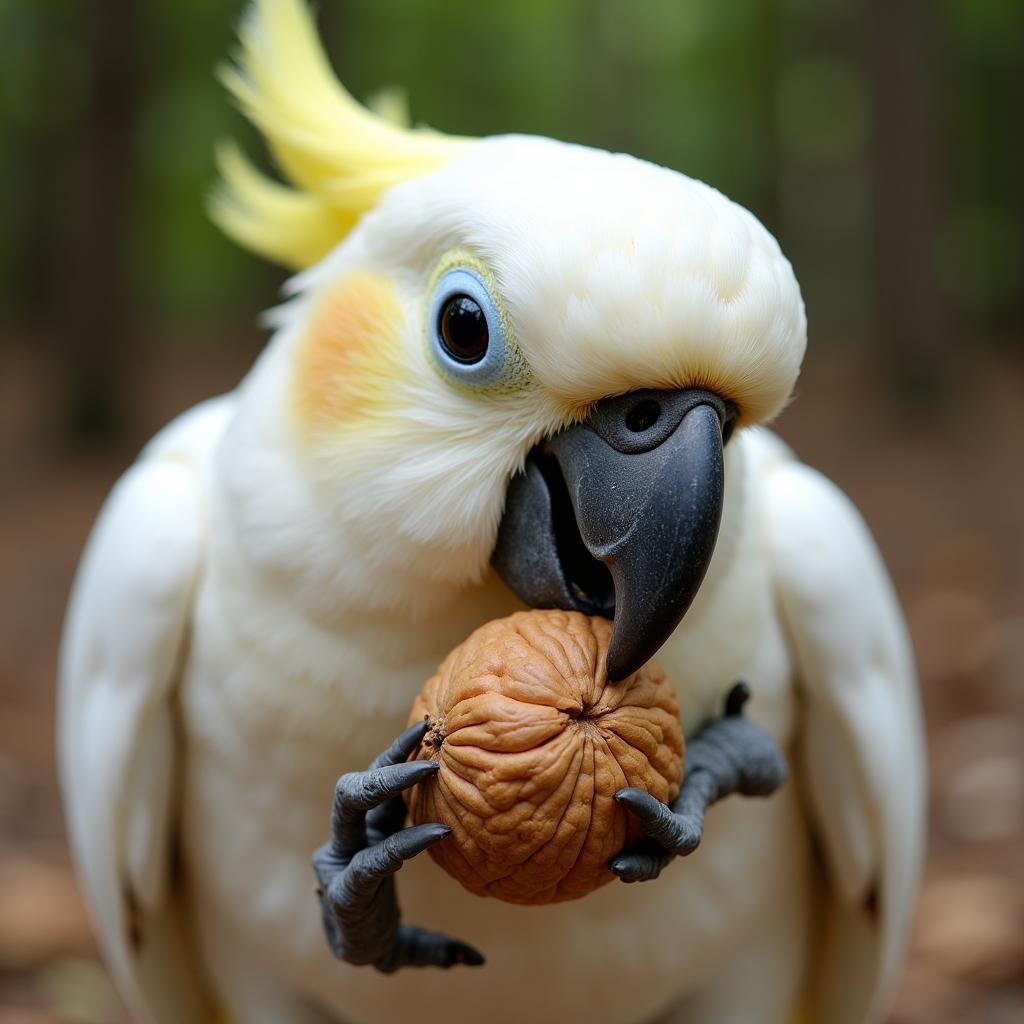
{"x":419,"y":948}
{"x":641,"y":862}
{"x":676,"y":833}
{"x":358,"y":792}
{"x":729,"y":755}
{"x":356,"y":867}
{"x":375,"y":863}
{"x":402,"y":747}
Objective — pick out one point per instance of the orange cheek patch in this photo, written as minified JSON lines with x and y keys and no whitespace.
{"x":346,"y":363}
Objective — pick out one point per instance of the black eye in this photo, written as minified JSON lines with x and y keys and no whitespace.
{"x":463,"y":329}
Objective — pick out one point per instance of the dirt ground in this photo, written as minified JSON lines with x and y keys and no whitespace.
{"x":942,"y":489}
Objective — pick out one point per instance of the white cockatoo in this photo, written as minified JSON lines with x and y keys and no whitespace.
{"x":270,"y":584}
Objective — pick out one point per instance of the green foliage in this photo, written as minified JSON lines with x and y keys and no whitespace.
{"x":769,"y":101}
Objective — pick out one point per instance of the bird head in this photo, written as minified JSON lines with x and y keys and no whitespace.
{"x":510,"y":351}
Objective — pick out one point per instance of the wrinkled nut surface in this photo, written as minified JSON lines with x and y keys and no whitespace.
{"x":533,"y":744}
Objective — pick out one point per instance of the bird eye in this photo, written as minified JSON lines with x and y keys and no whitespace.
{"x":467,"y":329}
{"x":463,"y":329}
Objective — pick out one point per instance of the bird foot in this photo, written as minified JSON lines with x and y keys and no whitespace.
{"x":356,"y":868}
{"x":729,"y":755}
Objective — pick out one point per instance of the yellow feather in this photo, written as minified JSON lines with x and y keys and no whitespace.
{"x":338,"y":154}
{"x":392,"y":104}
{"x":283,"y":224}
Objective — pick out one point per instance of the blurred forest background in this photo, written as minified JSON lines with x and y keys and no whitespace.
{"x":878,"y":139}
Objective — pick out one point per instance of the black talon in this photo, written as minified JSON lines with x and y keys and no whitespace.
{"x":356,"y":868}
{"x":738,"y":696}
{"x":729,"y":755}
{"x":641,"y":862}
{"x":402,"y":747}
{"x":420,"y":948}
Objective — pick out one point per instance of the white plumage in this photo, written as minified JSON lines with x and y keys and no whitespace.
{"x":268,"y":588}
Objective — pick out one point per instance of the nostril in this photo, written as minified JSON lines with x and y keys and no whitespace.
{"x":643,"y":415}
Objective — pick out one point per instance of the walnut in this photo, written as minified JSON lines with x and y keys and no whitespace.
{"x":533,"y":742}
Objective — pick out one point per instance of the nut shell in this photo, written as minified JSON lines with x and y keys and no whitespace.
{"x":533,"y":742}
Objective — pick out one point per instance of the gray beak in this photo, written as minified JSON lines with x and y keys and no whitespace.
{"x":618,"y":516}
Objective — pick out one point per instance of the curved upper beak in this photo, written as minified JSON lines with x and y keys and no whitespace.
{"x":618,"y":516}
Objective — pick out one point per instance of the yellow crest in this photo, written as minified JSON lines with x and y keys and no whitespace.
{"x":337,"y":155}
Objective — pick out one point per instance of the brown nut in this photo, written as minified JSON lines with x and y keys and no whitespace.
{"x":533,"y":742}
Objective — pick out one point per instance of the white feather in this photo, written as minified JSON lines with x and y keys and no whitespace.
{"x":124,"y":647}
{"x":617,"y":273}
{"x":863,"y":750}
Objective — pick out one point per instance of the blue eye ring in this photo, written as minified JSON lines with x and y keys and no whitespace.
{"x":463,"y":286}
{"x":502,"y":368}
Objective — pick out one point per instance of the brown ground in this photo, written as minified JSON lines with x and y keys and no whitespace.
{"x":943,"y":492}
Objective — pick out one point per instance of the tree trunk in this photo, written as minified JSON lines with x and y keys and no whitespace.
{"x":97,"y":279}
{"x":910,"y":320}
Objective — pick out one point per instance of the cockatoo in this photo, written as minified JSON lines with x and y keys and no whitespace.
{"x":513,"y":353}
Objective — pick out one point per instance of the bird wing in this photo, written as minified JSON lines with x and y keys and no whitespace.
{"x":124,"y":645}
{"x":861,"y":749}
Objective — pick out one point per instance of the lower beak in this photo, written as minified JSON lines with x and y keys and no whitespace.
{"x":618,"y":516}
